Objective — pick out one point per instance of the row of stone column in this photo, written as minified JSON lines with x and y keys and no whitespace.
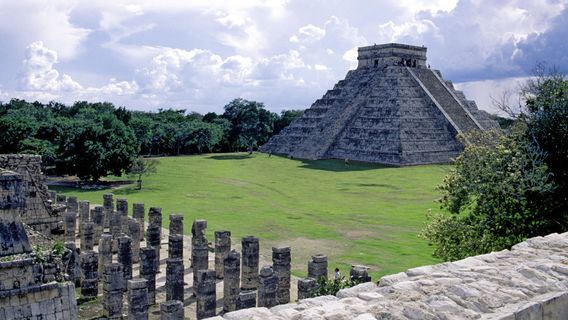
{"x":244,"y":287}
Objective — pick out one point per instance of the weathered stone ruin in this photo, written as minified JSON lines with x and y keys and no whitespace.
{"x":28,"y":290}
{"x":39,"y":212}
{"x":392,"y":109}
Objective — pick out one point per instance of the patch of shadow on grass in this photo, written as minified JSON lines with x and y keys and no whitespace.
{"x":232,"y":157}
{"x":340,"y":166}
{"x":377,"y":185}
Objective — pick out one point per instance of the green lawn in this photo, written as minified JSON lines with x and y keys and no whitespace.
{"x":362,"y":214}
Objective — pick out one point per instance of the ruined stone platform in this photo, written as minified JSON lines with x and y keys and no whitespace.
{"x":528,"y":282}
{"x":393,"y":109}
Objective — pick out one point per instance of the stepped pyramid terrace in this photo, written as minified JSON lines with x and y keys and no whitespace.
{"x":393,"y":109}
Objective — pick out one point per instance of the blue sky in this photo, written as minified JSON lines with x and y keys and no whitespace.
{"x":199,"y":55}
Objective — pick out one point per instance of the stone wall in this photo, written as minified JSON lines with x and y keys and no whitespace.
{"x":46,"y":301}
{"x":13,"y":236}
{"x":528,"y":282}
{"x":27,"y":289}
{"x":38,"y":212}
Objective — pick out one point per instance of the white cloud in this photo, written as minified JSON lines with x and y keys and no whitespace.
{"x":351,"y":56}
{"x":201,"y":54}
{"x":38,"y":73}
{"x":486,"y":92}
{"x":40,"y":80}
{"x":311,"y":33}
{"x":232,"y":19}
{"x":25,"y":21}
{"x":320,"y":67}
{"x":119,"y":88}
{"x":477,"y":38}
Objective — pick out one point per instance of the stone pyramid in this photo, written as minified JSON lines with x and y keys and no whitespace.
{"x":392,"y":109}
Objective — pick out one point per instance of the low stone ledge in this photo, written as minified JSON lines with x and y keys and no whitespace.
{"x":528,"y":282}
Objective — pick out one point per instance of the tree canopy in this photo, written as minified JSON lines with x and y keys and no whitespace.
{"x":508,"y":186}
{"x":92,"y":140}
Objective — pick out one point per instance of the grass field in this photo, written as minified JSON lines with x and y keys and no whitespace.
{"x":362,"y":214}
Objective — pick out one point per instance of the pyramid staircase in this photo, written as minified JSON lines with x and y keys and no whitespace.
{"x":383,"y":112}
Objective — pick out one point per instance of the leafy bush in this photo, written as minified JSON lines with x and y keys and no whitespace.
{"x":331,"y":287}
{"x":496,"y":196}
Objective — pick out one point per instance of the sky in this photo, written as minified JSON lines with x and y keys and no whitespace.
{"x":199,"y":55}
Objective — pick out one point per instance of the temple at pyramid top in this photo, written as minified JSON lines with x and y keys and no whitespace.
{"x":391,"y":54}
{"x":392,"y":109}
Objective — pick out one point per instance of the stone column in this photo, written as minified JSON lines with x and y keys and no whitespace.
{"x":125,"y":256}
{"x":267,"y":287}
{"x":97,"y":216}
{"x":72,"y":263}
{"x":155,"y":217}
{"x":174,"y":279}
{"x":359,"y":273}
{"x":122,"y":208}
{"x":148,"y":271}
{"x":317,"y":267}
{"x":70,"y":219}
{"x":199,"y":250}
{"x":72,"y":205}
{"x":138,"y":299}
{"x":222,"y":248}
{"x":171,"y":310}
{"x":249,"y":270}
{"x":105,"y":251}
{"x":231,"y":281}
{"x":87,"y":237}
{"x":206,"y":294}
{"x":113,"y":286}
{"x":84,"y":209}
{"x":246,"y":299}
{"x":176,"y":224}
{"x":154,"y":233}
{"x":281,"y":259}
{"x":305,"y":288}
{"x":89,"y":274}
{"x":108,"y":205}
{"x":115,"y":229}
{"x":138,"y":214}
{"x":175,"y":246}
{"x":153,"y":240}
{"x":134,"y":233}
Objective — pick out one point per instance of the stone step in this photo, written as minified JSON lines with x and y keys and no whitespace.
{"x":452,"y":106}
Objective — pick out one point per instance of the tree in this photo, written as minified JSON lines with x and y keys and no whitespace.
{"x":496,"y":196}
{"x":286,"y":117}
{"x":251,"y":124}
{"x":15,"y":128}
{"x":95,"y":146}
{"x":142,"y":167}
{"x":546,"y":117}
{"x":512,"y":186}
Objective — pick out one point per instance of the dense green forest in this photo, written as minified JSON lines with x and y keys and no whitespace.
{"x":92,"y":140}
